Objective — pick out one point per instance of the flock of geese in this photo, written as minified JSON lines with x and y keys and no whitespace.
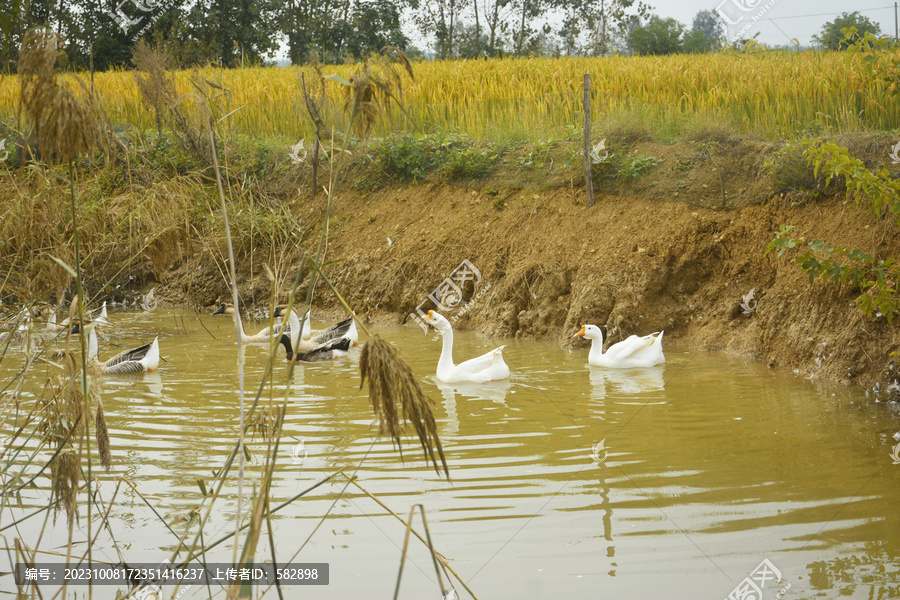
{"x":299,"y":341}
{"x":631,"y":353}
{"x":304,"y":345}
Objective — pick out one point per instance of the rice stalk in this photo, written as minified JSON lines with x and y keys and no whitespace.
{"x":535,"y":98}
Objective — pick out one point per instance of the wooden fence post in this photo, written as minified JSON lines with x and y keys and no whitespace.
{"x":588,"y":182}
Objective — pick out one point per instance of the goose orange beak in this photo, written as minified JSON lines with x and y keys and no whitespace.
{"x":428,"y":316}
{"x":580,"y":332}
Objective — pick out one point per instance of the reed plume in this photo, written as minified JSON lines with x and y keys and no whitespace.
{"x":63,"y":123}
{"x":394,"y":390}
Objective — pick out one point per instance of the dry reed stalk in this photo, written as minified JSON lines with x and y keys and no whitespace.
{"x":64,"y":126}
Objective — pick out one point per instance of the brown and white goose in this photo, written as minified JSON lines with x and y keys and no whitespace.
{"x":137,"y":360}
{"x":263,"y":336}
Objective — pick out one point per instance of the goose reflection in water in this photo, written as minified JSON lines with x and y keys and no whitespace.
{"x":154,"y":382}
{"x":626,"y":382}
{"x":495,"y":391}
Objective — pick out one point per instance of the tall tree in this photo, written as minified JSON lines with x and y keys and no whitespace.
{"x":832,"y":38}
{"x":18,"y":16}
{"x":237,"y":32}
{"x":706,"y":34}
{"x":495,"y":14}
{"x":525,"y":34}
{"x":709,"y":23}
{"x":658,"y":36}
{"x":373,"y":26}
{"x":439,"y":18}
{"x":599,"y":21}
{"x":95,"y":38}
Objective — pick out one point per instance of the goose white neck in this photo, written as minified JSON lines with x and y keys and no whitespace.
{"x":239,"y":325}
{"x":294,"y":323}
{"x":93,"y":350}
{"x":596,"y":347}
{"x":446,"y":360}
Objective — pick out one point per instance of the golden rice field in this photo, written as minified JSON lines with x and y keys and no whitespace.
{"x":769,"y":93}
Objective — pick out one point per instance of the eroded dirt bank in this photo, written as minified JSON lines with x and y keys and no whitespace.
{"x":635,"y":265}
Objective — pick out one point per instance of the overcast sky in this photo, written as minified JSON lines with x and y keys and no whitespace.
{"x":784,"y":19}
{"x":778,"y":21}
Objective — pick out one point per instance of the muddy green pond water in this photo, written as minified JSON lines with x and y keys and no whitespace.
{"x":568,"y":481}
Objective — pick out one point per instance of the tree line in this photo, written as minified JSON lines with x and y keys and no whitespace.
{"x":101,"y":34}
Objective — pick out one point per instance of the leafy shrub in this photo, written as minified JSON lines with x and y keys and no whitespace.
{"x":877,"y":189}
{"x":634,"y":166}
{"x":857,"y":270}
{"x":791,"y":169}
{"x":469,"y":164}
{"x":406,"y":157}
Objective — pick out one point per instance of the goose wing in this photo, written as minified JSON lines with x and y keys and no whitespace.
{"x":336,"y":331}
{"x":649,"y":350}
{"x":625,"y":348}
{"x":325,"y":350}
{"x":487,"y":366}
{"x":138,"y":359}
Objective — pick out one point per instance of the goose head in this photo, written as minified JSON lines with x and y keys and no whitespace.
{"x":437,"y":321}
{"x":225,"y":309}
{"x":590,"y":332}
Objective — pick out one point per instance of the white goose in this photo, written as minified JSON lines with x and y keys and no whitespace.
{"x":306,"y":342}
{"x":331,"y":343}
{"x":352,"y":333}
{"x":633,"y":352}
{"x":137,"y":360}
{"x":487,"y":367}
